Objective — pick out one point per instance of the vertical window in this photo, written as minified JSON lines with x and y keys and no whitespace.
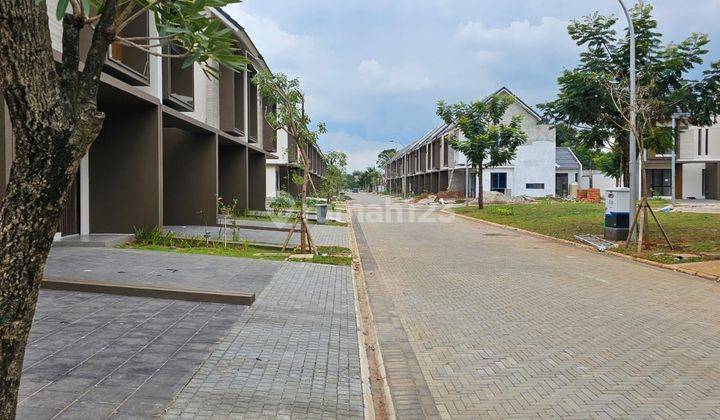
{"x":702,"y":188}
{"x":699,"y":141}
{"x":707,"y":141}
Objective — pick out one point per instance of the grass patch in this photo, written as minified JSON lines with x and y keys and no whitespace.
{"x":156,"y":240}
{"x":692,"y":233}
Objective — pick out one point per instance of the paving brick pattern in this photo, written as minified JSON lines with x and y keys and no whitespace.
{"x":161,"y":269}
{"x":294,"y":353}
{"x":97,"y":356}
{"x":507,"y":325}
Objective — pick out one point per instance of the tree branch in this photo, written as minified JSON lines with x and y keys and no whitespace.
{"x":103,"y":36}
{"x":123,"y":20}
{"x":72,"y":26}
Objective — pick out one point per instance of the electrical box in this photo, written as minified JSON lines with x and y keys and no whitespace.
{"x":617,"y":214}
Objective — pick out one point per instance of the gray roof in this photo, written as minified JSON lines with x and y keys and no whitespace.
{"x":565,"y":159}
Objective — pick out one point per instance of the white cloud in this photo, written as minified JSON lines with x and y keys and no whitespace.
{"x":406,"y":78}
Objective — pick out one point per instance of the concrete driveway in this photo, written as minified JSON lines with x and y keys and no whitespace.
{"x":478,"y":321}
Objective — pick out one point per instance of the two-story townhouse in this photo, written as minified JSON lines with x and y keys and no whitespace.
{"x":539,"y":168}
{"x":279,"y":170}
{"x":173,"y":140}
{"x":697,"y":167}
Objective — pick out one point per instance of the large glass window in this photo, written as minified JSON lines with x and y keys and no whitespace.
{"x":498,"y":182}
{"x":660,"y":182}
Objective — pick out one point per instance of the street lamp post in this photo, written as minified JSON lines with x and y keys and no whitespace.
{"x":634,"y":187}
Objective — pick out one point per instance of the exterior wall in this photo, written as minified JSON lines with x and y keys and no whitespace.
{"x":599,"y":180}
{"x":125,"y":171}
{"x":189,"y":178}
{"x":256,"y":181}
{"x":282,"y":149}
{"x":535,"y":131}
{"x":232,"y":174}
{"x":271,"y":179}
{"x":535,"y":163}
{"x":688,"y":144}
{"x":692,"y":180}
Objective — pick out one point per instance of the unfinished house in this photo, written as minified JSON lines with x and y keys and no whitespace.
{"x":539,"y":169}
{"x":173,"y":141}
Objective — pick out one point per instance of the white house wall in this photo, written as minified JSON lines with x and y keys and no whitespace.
{"x":692,"y":180}
{"x":271,"y":181}
{"x":282,"y":149}
{"x":535,"y":163}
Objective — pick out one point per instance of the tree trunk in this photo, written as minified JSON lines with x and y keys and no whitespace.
{"x":53,"y":127}
{"x":481,"y":196}
{"x":625,"y":161}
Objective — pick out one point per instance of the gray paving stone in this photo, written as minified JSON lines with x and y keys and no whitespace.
{"x":288,"y":354}
{"x":508,"y":325}
{"x":85,"y":363}
{"x":160,"y":269}
{"x":323,"y":235}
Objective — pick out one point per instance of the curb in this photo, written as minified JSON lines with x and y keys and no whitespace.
{"x":368,"y":339}
{"x":111,"y":288}
{"x":670,"y":267}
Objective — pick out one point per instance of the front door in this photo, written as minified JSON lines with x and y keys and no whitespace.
{"x":561,"y":185}
{"x":70,"y":217}
{"x":498,"y":182}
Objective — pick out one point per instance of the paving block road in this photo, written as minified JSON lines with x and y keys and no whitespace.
{"x":293,"y":354}
{"x":479,"y":321}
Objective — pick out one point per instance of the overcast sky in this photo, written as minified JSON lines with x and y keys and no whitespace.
{"x":374,"y":69}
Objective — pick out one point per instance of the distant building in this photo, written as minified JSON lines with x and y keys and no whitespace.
{"x":279,"y":170}
{"x":539,"y":169}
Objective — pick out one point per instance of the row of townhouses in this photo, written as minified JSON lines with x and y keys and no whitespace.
{"x":288,"y":160}
{"x":173,"y":140}
{"x":541,"y":169}
{"x":697,"y":165}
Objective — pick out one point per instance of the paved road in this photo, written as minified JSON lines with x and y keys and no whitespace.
{"x":477,"y":321}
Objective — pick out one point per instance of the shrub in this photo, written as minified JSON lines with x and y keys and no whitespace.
{"x":281,"y":202}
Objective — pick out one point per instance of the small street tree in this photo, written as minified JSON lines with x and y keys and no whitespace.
{"x":55,"y":119}
{"x":335,"y":177}
{"x":384,"y":157}
{"x":286,"y":111}
{"x":488,"y":142}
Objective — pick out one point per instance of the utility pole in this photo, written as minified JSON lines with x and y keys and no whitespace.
{"x":634,"y":187}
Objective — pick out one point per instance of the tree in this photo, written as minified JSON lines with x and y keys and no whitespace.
{"x":488,"y":141}
{"x":286,"y":111}
{"x":370,"y":178}
{"x":55,"y":119}
{"x":384,"y":157}
{"x":335,"y":177}
{"x":594,"y":96}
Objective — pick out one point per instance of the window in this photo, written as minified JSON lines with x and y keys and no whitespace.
{"x":535,"y":186}
{"x":498,"y":182}
{"x":707,"y":140}
{"x":178,"y":81}
{"x":660,"y":182}
{"x":130,"y":58}
{"x":699,"y":141}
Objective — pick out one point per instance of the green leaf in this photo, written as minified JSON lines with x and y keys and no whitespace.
{"x":61,"y":8}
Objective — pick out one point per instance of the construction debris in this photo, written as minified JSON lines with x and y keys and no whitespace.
{"x":595,"y":241}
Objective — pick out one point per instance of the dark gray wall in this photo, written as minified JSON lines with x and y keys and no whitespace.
{"x":189,"y":177}
{"x":256,"y":181}
{"x":125,"y":175}
{"x":232,"y":174}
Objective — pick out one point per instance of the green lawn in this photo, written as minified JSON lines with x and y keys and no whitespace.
{"x":690,"y":232}
{"x":335,"y":255}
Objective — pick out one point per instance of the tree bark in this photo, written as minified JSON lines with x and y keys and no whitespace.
{"x":481,"y":196}
{"x":625,"y":161}
{"x":52,"y":130}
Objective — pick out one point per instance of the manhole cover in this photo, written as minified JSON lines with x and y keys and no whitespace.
{"x":495,"y":234}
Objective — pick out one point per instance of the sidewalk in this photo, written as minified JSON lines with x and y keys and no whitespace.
{"x":294,"y":353}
